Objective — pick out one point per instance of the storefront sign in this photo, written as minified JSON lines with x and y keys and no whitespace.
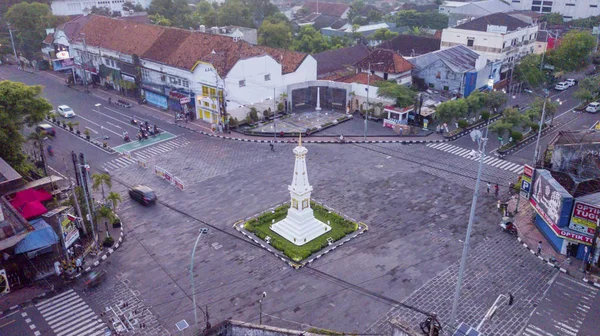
{"x":159,"y":172}
{"x":63,"y":64}
{"x":526,"y":179}
{"x":528,"y":171}
{"x":547,"y":199}
{"x":389,"y":123}
{"x":584,"y":218}
{"x":62,"y":54}
{"x":185,"y":100}
{"x":70,"y":233}
{"x":561,"y":232}
{"x":128,"y":78}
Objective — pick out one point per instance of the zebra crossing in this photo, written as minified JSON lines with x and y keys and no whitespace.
{"x":68,"y":315}
{"x":564,"y":310}
{"x":468,"y":154}
{"x":146,"y":153}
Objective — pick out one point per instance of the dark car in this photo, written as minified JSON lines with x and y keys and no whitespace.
{"x":46,"y":128}
{"x":142,"y":194}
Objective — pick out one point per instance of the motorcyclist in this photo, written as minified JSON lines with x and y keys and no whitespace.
{"x":50,"y":150}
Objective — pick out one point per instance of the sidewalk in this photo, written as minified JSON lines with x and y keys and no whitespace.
{"x":529,"y":236}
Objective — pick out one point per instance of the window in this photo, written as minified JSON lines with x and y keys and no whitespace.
{"x":267,"y":77}
{"x":593,"y":6}
{"x":213,"y":92}
{"x":214,"y":107}
{"x":571,"y":5}
{"x":470,"y":42}
{"x":146,"y":75}
{"x":438,"y":74}
{"x":304,"y":204}
{"x":385,"y":76}
{"x":206,"y":104}
{"x":242,"y":84}
{"x":535,"y":8}
{"x":205,"y":90}
{"x":186,"y":83}
{"x":295,"y":204}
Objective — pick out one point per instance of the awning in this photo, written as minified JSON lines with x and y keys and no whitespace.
{"x":43,"y":236}
{"x":32,"y":210}
{"x":30,"y":195}
{"x":40,"y":182}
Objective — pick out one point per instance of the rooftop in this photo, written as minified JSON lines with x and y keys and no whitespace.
{"x":496,"y":19}
{"x":384,"y":60}
{"x":179,"y":47}
{"x":338,"y":59}
{"x":327,"y":8}
{"x":458,"y":58}
{"x":360,"y":78}
{"x":411,"y":45}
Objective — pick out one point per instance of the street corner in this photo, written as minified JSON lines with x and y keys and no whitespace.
{"x":65,"y":126}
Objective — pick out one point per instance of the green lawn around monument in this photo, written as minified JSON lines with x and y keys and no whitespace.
{"x":340,"y":227}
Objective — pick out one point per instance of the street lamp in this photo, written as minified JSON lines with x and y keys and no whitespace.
{"x":368,"y":86}
{"x":476,"y":135}
{"x":541,"y":125}
{"x":104,"y":135}
{"x":201,"y":232}
{"x":260,"y":302}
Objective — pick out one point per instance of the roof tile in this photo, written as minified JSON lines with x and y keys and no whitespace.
{"x":411,"y":45}
{"x":385,"y":60}
{"x":338,"y":59}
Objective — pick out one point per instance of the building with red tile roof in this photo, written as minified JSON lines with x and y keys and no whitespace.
{"x":388,"y":65}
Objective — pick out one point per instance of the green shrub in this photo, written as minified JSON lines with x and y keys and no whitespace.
{"x":463,"y":123}
{"x":485,"y":115}
{"x":516,"y":136}
{"x":253,"y":114}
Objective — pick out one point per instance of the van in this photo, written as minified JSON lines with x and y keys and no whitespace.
{"x":593,"y":107}
{"x":561,"y":86}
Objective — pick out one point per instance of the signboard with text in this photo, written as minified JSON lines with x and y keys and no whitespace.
{"x":562,"y":232}
{"x":584,"y":218}
{"x":70,"y":233}
{"x":526,"y":180}
{"x":178,"y":183}
{"x":549,"y":197}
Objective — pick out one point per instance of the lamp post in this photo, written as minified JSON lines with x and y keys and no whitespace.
{"x":481,"y":142}
{"x":368,"y":86}
{"x":260,"y":302}
{"x":202,"y":232}
{"x":539,"y":136}
{"x":13,"y":45}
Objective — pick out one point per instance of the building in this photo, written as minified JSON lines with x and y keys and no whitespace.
{"x":181,"y":70}
{"x":411,"y":46}
{"x":499,"y":37}
{"x":459,"y":70}
{"x":388,"y":65}
{"x":78,"y":7}
{"x":569,"y":9}
{"x":339,"y":61}
{"x":249,"y":35}
{"x":348,"y":30}
{"x":321,"y":14}
{"x":457,"y":14}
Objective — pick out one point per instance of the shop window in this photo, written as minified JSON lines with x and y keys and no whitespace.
{"x":242,"y":84}
{"x":205,"y":91}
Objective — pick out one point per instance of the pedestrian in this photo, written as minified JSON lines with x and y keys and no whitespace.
{"x":57,"y":268}
{"x":539,"y":248}
{"x":78,"y":265}
{"x":496,"y":189}
{"x":271,"y":145}
{"x":488,"y":187}
{"x":109,"y":100}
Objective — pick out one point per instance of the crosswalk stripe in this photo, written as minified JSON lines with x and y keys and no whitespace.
{"x":496,"y":163}
{"x":518,"y":169}
{"x":488,"y":159}
{"x":68,"y":323}
{"x":47,"y":301}
{"x":504,"y":165}
{"x":80,"y":304}
{"x":69,"y":298}
{"x":69,"y":315}
{"x":97,"y":333}
{"x":101,"y":329}
{"x":77,"y":332}
{"x":59,"y":306}
{"x":444,"y":146}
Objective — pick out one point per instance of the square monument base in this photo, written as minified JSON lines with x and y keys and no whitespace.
{"x":300,"y":233}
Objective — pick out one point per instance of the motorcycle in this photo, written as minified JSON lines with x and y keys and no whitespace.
{"x":508,"y":226}
{"x":134,"y":121}
{"x":126,"y":138}
{"x":50,"y":151}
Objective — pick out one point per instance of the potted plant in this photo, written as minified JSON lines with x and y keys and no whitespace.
{"x":76,"y":123}
{"x":105,"y":144}
{"x":87,"y":134}
{"x":70,"y":124}
{"x":116,"y":222}
{"x":53,"y":116}
{"x":108,"y":241}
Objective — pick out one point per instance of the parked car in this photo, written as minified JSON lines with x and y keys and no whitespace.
{"x":66,"y":111}
{"x":561,"y":86}
{"x":46,"y":128}
{"x":142,"y":194}
{"x":593,"y":107}
{"x":571,"y":82}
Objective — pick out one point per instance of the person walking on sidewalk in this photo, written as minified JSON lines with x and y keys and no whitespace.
{"x":78,"y":265}
{"x":496,"y":189}
{"x":271,"y":145}
{"x":489,"y":186}
{"x":539,"y":248}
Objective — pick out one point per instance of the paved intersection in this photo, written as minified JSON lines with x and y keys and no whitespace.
{"x":471,"y":155}
{"x":146,"y":153}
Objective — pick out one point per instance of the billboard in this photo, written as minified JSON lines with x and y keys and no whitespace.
{"x":70,"y":233}
{"x":550,"y":199}
{"x":63,"y":64}
{"x":584,"y":218}
{"x":526,"y":180}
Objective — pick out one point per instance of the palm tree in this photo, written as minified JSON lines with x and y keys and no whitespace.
{"x":115,"y":198}
{"x":99,"y":181}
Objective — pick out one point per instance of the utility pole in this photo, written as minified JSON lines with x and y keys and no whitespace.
{"x":202,"y":232}
{"x":83,"y":177}
{"x":83,"y":63}
{"x":368,"y":87}
{"x":75,"y":200}
{"x":13,"y":46}
{"x":539,"y":136}
{"x":274,"y":118}
{"x":463,"y":261}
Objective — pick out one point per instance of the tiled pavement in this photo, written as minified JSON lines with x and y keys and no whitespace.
{"x":467,"y":154}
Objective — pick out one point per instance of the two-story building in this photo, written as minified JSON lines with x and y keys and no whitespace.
{"x":388,"y":65}
{"x":183,"y":70}
{"x":499,"y":37}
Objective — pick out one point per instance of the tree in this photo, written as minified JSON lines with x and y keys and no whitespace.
{"x":129,"y":6}
{"x":403,"y":95}
{"x":412,"y":18}
{"x":551,"y":107}
{"x":260,"y":9}
{"x":29,"y":22}
{"x":416,"y":31}
{"x":104,"y":11}
{"x":115,"y":198}
{"x":100,"y":180}
{"x":205,"y":14}
{"x":170,"y":12}
{"x":235,"y":12}
{"x":38,"y":142}
{"x":160,"y":20}
{"x":476,"y":101}
{"x":452,"y":110}
{"x":528,"y":71}
{"x":500,"y":128}
{"x":337,"y":42}
{"x":495,"y":99}
{"x":274,"y":33}
{"x":553,"y":19}
{"x":588,"y":89}
{"x":383,"y":34}
{"x":573,"y":51}
{"x":20,"y":105}
{"x":309,"y":40}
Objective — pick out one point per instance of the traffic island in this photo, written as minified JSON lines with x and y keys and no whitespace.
{"x":258,"y":228}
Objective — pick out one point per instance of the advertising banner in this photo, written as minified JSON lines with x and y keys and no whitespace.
{"x":159,"y":171}
{"x":548,"y":197}
{"x":178,"y":183}
{"x":142,"y":163}
{"x":63,"y":64}
{"x":168,"y":177}
{"x":70,"y":233}
{"x":526,"y":180}
{"x":584,"y":218}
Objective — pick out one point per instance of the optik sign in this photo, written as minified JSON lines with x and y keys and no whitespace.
{"x":584,"y":218}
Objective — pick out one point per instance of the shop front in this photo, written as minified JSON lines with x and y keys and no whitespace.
{"x":207,"y":109}
{"x":396,"y":115}
{"x":128,"y":79}
{"x":155,"y":95}
{"x":181,"y":101}
{"x":554,"y":205}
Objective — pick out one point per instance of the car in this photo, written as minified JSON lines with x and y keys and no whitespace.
{"x":593,"y":107}
{"x":561,"y":86}
{"x":48,"y":129}
{"x":66,"y":111}
{"x":571,"y":82}
{"x":142,"y":194}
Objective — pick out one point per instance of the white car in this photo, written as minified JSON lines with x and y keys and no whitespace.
{"x":561,"y":86}
{"x":571,"y":82}
{"x":593,"y":107}
{"x":66,"y":111}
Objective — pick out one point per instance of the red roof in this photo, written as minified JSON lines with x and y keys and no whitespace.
{"x":384,"y":60}
{"x":360,"y":78}
{"x":32,"y":210}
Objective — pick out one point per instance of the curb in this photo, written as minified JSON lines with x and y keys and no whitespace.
{"x":524,"y":142}
{"x":305,"y":140}
{"x":98,"y":144}
{"x":468,"y":130}
{"x":85,"y":271}
{"x":362,"y":228}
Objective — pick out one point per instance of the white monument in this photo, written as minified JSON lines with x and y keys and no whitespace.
{"x":300,"y":226}
{"x":318,"y":108}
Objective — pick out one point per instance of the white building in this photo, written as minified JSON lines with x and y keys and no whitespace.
{"x":458,"y":12}
{"x":186,"y":70}
{"x":499,"y":37}
{"x":569,"y":9}
{"x":77,"y":7}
